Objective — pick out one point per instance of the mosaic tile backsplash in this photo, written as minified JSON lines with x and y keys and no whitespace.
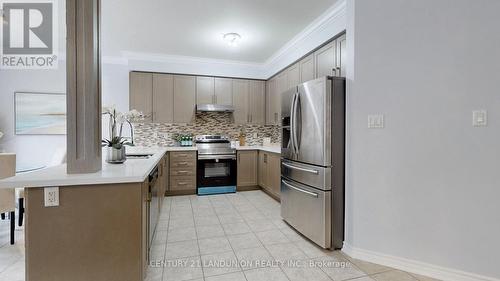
{"x":206,"y":123}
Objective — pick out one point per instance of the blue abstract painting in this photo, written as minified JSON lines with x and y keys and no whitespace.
{"x":40,"y":114}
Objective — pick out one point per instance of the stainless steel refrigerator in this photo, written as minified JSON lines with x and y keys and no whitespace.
{"x":312,"y":166}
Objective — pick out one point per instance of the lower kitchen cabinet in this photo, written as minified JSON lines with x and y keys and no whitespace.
{"x":182,"y":170}
{"x":247,"y":168}
{"x":270,"y":172}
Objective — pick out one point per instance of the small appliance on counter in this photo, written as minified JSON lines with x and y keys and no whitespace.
{"x":216,"y":168}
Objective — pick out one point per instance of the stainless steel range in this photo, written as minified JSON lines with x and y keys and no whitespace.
{"x":216,"y":170}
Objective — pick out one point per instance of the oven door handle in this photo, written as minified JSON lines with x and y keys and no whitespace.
{"x":213,"y":157}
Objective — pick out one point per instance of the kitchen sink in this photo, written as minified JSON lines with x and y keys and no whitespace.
{"x":139,"y":155}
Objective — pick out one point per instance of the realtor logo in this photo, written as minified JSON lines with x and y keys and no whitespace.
{"x":28,"y":34}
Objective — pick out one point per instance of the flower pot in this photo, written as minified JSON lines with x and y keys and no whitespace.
{"x":116,"y":156}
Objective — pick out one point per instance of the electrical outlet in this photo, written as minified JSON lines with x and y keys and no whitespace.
{"x":479,"y":118}
{"x":51,"y":196}
{"x":376,"y":121}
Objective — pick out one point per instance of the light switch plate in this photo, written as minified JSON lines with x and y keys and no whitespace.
{"x":376,"y":121}
{"x":479,"y":118}
{"x":51,"y":196}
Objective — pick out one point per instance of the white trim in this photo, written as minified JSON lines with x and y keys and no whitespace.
{"x":330,"y":23}
{"x":413,"y":266}
{"x":326,"y":26}
{"x":187,"y":59}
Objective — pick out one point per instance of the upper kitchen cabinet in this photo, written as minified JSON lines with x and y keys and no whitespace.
{"x":274,"y":88}
{"x":270,"y":85}
{"x":273,"y":98}
{"x":257,"y":102}
{"x":211,"y":90}
{"x":141,"y":93}
{"x":293,"y":76}
{"x":205,"y":90}
{"x":224,"y":91}
{"x":325,"y":60}
{"x":341,"y":58}
{"x":330,"y":60}
{"x":240,"y":101}
{"x":280,"y":87}
{"x":307,"y":69}
{"x":163,"y":98}
{"x":184,"y":98}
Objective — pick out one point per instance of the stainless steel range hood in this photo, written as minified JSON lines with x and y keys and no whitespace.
{"x":214,"y":108}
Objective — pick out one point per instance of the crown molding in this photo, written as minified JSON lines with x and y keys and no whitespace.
{"x":330,"y":23}
{"x":323,"y":28}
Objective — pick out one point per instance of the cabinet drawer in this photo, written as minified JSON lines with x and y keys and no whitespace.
{"x":184,"y":156}
{"x":182,"y":165}
{"x":183,"y":171}
{"x":182,"y":183}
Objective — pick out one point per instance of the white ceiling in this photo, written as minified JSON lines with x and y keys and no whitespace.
{"x":195,"y":27}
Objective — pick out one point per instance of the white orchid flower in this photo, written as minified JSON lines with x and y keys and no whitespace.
{"x":109,"y":109}
{"x":134,"y":115}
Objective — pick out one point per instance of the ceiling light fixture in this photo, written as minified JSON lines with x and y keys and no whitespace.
{"x":232,"y":39}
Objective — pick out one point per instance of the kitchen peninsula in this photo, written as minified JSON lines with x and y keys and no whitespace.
{"x":103,"y":223}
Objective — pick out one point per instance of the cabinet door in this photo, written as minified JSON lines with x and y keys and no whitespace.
{"x":163,"y":98}
{"x":257,"y":102}
{"x":184,"y":98}
{"x":307,"y":69}
{"x":205,"y":90}
{"x":281,"y":86}
{"x":240,"y":101}
{"x":262,"y":169}
{"x":274,"y":177}
{"x":223,"y":91}
{"x":247,"y":168}
{"x":141,"y":93}
{"x":341,"y":55}
{"x":270,"y":85}
{"x":293,"y":76}
{"x":325,"y":60}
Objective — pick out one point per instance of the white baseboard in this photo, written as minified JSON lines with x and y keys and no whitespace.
{"x":413,"y":266}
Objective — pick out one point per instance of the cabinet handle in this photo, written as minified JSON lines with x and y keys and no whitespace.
{"x":182,"y":183}
{"x":340,"y":71}
{"x":334,"y":70}
{"x":182,"y":163}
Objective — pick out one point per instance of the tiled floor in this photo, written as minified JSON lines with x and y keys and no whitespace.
{"x":233,"y":237}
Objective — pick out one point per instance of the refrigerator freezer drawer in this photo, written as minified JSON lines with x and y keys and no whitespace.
{"x":318,"y":177}
{"x":308,"y":210}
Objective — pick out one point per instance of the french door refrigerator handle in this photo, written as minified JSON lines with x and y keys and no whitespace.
{"x":300,"y":169}
{"x":291,"y":123}
{"x":300,"y":189}
{"x":295,"y":123}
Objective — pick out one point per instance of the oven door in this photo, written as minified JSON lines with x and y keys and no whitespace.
{"x":216,"y":170}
